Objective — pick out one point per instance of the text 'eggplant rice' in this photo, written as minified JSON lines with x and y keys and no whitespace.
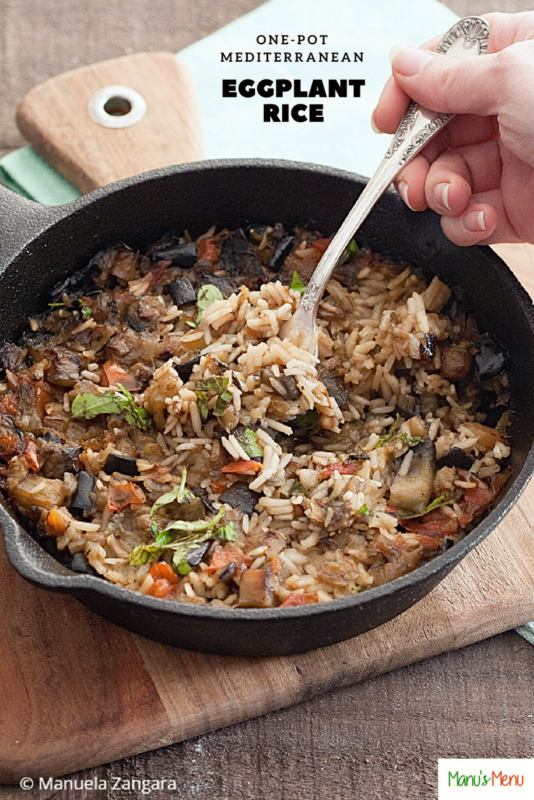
{"x":156,"y":429}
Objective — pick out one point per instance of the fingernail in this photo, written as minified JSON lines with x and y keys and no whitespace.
{"x":402,"y":188}
{"x":474,"y":221}
{"x":409,"y":60}
{"x":374,"y":126}
{"x":442,"y":195}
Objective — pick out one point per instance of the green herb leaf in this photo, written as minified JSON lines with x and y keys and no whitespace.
{"x":83,"y":305}
{"x":179,"y":495}
{"x":223,"y":401}
{"x":352,"y":249}
{"x":297,"y":488}
{"x":196,"y":525}
{"x":207,"y":295}
{"x":195,"y":533}
{"x":85,"y":309}
{"x":182,"y":567}
{"x":297,"y":283}
{"x":226,"y":533}
{"x":214,"y":384}
{"x":202,"y":402}
{"x":88,"y":405}
{"x":411,"y":441}
{"x":217,"y":385}
{"x":249,"y":442}
{"x":134,"y":414}
{"x":437,"y":503}
{"x":145,"y":554}
{"x":365,"y":510}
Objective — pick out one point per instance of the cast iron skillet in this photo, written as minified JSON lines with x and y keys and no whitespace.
{"x":40,"y":246}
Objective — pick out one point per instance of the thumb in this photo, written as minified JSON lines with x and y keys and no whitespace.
{"x":448,"y":84}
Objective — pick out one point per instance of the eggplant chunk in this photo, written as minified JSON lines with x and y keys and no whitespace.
{"x":455,"y":457}
{"x":238,"y":258}
{"x":194,"y":557}
{"x":63,"y":368}
{"x":282,"y":250}
{"x":82,"y":496}
{"x":185,"y":370}
{"x":58,"y":458}
{"x":115,"y":462}
{"x":410,"y":493}
{"x":80,"y":564}
{"x":336,"y":387}
{"x":255,"y":590}
{"x":181,"y":255}
{"x":238,"y":495}
{"x":456,"y":363}
{"x":490,"y":360}
{"x":182,"y":292}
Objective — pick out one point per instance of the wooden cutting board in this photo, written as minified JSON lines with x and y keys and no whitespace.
{"x":78,"y":691}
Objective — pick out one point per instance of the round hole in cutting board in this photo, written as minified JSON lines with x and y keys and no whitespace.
{"x":117,"y":107}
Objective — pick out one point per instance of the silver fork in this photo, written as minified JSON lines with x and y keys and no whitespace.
{"x":467,"y":38}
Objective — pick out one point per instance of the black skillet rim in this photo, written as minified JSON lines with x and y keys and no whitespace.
{"x":17,"y":538}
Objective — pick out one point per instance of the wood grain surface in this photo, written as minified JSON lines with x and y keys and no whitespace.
{"x":378,"y":739}
{"x":108,"y":694}
{"x":54,"y":118}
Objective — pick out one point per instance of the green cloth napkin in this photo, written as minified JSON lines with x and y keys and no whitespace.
{"x":25,"y":172}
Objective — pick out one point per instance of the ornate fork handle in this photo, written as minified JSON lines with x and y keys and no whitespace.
{"x":466,"y":39}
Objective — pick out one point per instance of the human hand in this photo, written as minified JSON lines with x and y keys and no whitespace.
{"x":478,"y":172}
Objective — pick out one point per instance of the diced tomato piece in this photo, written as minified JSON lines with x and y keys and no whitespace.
{"x":125,"y":494}
{"x":9,"y":404}
{"x":114,"y":374}
{"x":242,"y":467}
{"x":436,"y":523}
{"x":207,"y":250}
{"x":321,"y":245}
{"x":31,"y":455}
{"x":161,"y":588}
{"x":55,"y":524}
{"x":157,"y":273}
{"x":10,"y":446}
{"x":42,"y":397}
{"x":223,"y":558}
{"x":344,"y":469}
{"x":303,"y":599}
{"x":163,"y":570}
{"x":475,"y":501}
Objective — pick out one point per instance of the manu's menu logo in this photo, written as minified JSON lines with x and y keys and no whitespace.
{"x":493,"y":779}
{"x":489,"y":778}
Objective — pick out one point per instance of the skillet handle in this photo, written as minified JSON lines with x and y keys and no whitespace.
{"x":114,"y":119}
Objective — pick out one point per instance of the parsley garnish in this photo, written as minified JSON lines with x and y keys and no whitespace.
{"x":196,"y":533}
{"x":437,"y":503}
{"x":84,"y":306}
{"x":249,"y":442}
{"x":297,"y":283}
{"x":121,"y":401}
{"x":219,"y":387}
{"x":177,"y":495}
{"x":411,"y":441}
{"x":207,"y":294}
